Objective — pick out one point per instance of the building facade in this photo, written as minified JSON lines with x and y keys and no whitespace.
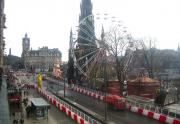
{"x":25,"y":46}
{"x":41,"y":60}
{"x":2,"y":26}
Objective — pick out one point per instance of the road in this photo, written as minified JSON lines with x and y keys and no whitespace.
{"x":119,"y":117}
{"x":54,"y":117}
{"x":4,"y":110}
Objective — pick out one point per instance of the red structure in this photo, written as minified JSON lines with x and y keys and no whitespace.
{"x":143,"y":86}
{"x":114,"y":87}
{"x":14,"y":98}
{"x":116,"y":102}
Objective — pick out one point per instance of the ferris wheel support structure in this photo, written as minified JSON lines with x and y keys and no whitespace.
{"x":89,"y":50}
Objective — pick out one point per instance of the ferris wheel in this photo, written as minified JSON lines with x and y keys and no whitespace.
{"x":99,"y":39}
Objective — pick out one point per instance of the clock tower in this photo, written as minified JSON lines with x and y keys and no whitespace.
{"x":25,"y":47}
{"x":25,"y":44}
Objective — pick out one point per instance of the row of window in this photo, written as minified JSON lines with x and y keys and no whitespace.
{"x":46,"y":55}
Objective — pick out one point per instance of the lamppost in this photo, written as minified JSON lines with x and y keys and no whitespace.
{"x":105,"y":81}
{"x":64,"y":87}
{"x":105,"y":72}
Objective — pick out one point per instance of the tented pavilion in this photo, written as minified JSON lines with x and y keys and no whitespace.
{"x":143,"y":86}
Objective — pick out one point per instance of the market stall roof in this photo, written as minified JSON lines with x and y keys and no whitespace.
{"x":144,"y":79}
{"x":38,"y":102}
{"x":15,"y":98}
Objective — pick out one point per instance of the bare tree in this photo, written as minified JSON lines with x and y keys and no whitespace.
{"x":119,"y":45}
{"x":147,"y":56}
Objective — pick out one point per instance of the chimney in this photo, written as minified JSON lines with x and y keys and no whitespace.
{"x":9,"y":51}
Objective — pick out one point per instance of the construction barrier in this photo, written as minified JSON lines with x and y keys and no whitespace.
{"x":75,"y":114}
{"x":62,"y":107}
{"x":88,"y":93}
{"x":71,"y":112}
{"x":153,"y":115}
{"x":150,"y":114}
{"x":160,"y":117}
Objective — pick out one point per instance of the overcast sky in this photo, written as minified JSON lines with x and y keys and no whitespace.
{"x":48,"y":22}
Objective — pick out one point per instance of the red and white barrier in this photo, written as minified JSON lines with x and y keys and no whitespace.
{"x":62,"y":108}
{"x":56,"y":103}
{"x":153,"y":115}
{"x":89,"y":93}
{"x":80,"y":120}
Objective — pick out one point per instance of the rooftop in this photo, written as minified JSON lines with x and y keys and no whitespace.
{"x":39,"y":102}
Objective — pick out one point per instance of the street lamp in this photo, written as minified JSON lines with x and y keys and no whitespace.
{"x":64,"y":87}
{"x":105,"y":81}
{"x":105,"y":73}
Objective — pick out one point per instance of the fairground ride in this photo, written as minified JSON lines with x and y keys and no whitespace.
{"x":106,"y":43}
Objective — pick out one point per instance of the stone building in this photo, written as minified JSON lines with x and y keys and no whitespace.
{"x":42,"y":59}
{"x":2,"y":26}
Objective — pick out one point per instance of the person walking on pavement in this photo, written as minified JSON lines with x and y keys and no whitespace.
{"x":15,"y":121}
{"x":13,"y":114}
{"x":1,"y":74}
{"x":21,"y":121}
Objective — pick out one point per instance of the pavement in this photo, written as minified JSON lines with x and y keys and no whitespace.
{"x":54,"y":115}
{"x":4,"y":110}
{"x":6,"y":117}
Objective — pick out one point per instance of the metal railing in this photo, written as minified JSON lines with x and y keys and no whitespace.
{"x":174,"y":113}
{"x":87,"y":115}
{"x":91,"y":120}
{"x":78,"y":86}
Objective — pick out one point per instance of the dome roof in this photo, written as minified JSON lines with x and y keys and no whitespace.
{"x":143,"y":79}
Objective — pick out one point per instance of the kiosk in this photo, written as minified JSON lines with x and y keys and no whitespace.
{"x":40,"y":108}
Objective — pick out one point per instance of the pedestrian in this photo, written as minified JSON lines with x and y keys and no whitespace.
{"x":27,"y":93}
{"x":24,"y":101}
{"x":18,"y":105}
{"x":27,"y":113}
{"x":22,"y":115}
{"x":1,"y":74}
{"x":15,"y":121}
{"x":24,"y":93}
{"x":13,"y":114}
{"x":21,"y":121}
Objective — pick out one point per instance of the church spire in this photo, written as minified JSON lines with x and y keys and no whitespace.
{"x":70,"y":69}
{"x":26,"y":36}
{"x":86,"y":9}
{"x":178,"y":49}
{"x":102,"y":33}
{"x":86,"y":31}
{"x":9,"y":51}
{"x":70,"y":43}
